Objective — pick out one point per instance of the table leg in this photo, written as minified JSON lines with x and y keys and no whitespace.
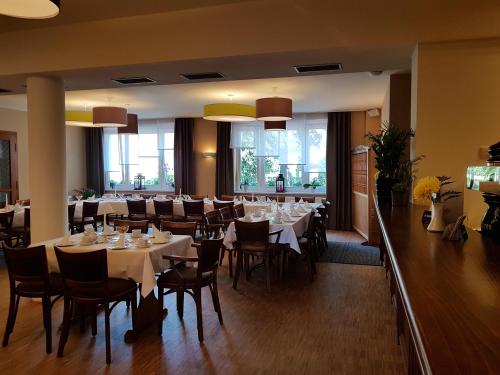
{"x":148,"y":313}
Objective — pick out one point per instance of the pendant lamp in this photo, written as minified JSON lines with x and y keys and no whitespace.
{"x":275,"y":125}
{"x":274,"y":109}
{"x":229,"y":112}
{"x":132,"y":125}
{"x":79,"y":118}
{"x":33,"y":9}
{"x":113,"y":117}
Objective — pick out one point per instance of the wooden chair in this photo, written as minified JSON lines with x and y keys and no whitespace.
{"x":6,"y":219}
{"x":227,"y":215}
{"x":253,"y":239}
{"x":23,"y":202}
{"x":164,"y":210}
{"x":193,"y":211}
{"x":219,"y":204}
{"x":239,"y":210}
{"x":247,"y":197}
{"x":136,"y":209}
{"x":198,"y":197}
{"x":308,"y":244}
{"x":71,"y":217}
{"x":148,"y":196}
{"x":29,"y":277}
{"x":182,"y":279}
{"x":89,"y":216}
{"x":143,"y":225}
{"x":213,"y":223}
{"x":23,"y":235}
{"x":322,"y":225}
{"x":225,"y":197}
{"x":187,"y":228}
{"x":305,"y":199}
{"x":86,"y":283}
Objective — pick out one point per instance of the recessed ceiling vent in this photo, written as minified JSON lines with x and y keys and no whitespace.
{"x":334,"y":67}
{"x":3,"y":91}
{"x":200,"y":76}
{"x":133,"y":80}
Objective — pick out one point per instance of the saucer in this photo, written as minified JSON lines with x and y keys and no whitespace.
{"x":71,"y":243}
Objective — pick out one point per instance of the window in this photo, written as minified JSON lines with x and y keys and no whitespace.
{"x":150,"y":153}
{"x":299,"y":153}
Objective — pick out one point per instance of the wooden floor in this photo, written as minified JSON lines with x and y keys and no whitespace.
{"x":341,"y":324}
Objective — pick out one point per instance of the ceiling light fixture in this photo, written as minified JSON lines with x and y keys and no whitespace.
{"x":112,"y":117}
{"x":274,"y":108}
{"x":275,"y":125}
{"x":31,"y":9}
{"x":132,"y":125}
{"x":229,"y":112}
{"x":79,"y":118}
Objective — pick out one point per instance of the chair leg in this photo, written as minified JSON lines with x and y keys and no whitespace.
{"x":65,"y":326}
{"x":94,"y":321}
{"x":160,"y":303}
{"x":216,"y":299}
{"x":230,"y":261}
{"x":108,"y":333}
{"x":246,"y":260}
{"x":239,"y":261}
{"x":47,"y":323}
{"x":199,"y":318}
{"x":222,"y":252}
{"x":267,"y":261}
{"x":11,"y":318}
{"x":81,"y":312}
{"x":180,"y":303}
{"x":133,"y":301}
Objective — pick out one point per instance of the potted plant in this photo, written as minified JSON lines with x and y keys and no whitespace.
{"x":313,"y":184}
{"x":244,"y":186}
{"x":400,"y":193}
{"x":85,"y":193}
{"x":388,"y":145}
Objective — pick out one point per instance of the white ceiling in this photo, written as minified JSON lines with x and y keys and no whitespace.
{"x":318,"y":93}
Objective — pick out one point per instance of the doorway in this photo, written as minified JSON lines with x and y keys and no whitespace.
{"x":8,"y":168}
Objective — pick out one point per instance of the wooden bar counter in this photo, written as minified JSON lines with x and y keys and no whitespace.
{"x":446,"y":295}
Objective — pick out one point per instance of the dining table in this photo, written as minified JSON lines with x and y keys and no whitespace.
{"x":140,"y":264}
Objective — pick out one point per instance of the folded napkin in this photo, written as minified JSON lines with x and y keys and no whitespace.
{"x":161,"y":196}
{"x":156,"y":232}
{"x":307,"y":205}
{"x":301,"y":200}
{"x":268,"y":200}
{"x":300,"y":209}
{"x":18,"y":207}
{"x":121,"y":241}
{"x":244,"y":199}
{"x":91,"y":198}
{"x":107,"y":229}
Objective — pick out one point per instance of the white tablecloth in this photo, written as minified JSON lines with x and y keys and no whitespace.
{"x":138,"y":264}
{"x":288,"y":236}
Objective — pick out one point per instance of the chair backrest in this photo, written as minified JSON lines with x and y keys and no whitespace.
{"x":132,"y":224}
{"x":6,"y":219}
{"x":247,"y":197}
{"x":164,"y":208}
{"x":277,"y":198}
{"x":198,"y":197}
{"x":239,"y":210}
{"x":136,"y":207}
{"x":27,"y":264}
{"x":71,"y":213}
{"x":148,"y":196}
{"x":83,"y":270}
{"x":305,"y":199}
{"x":227,"y":213}
{"x":193,"y":207}
{"x":218,"y":204}
{"x":257,"y":232}
{"x":23,"y":202}
{"x":27,"y":219}
{"x":213,"y":217}
{"x":187,"y":228}
{"x":208,"y":255}
{"x":225,"y":197}
{"x":90,"y":209}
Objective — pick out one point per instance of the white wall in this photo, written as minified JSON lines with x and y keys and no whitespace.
{"x":16,"y":121}
{"x":455,"y":109}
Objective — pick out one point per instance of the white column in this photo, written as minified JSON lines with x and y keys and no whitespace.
{"x":47,"y":158}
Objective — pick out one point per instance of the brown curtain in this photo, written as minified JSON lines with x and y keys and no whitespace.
{"x":224,"y":181}
{"x":338,"y":170}
{"x":184,"y":171}
{"x":95,"y":160}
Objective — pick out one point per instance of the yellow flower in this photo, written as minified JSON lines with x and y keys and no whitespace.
{"x":422,"y":193}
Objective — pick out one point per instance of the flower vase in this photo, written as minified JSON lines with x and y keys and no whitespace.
{"x":437,"y":223}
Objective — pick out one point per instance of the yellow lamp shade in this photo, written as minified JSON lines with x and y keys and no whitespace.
{"x":229,"y":112}
{"x":79,"y":118}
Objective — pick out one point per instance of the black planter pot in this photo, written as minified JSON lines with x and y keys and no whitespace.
{"x":400,"y":198}
{"x":384,"y":189}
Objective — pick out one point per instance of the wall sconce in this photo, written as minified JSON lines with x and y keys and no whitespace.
{"x":209,"y":154}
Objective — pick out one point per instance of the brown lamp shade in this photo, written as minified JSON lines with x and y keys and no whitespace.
{"x":274,"y":109}
{"x":132,"y":125}
{"x":275,"y":125}
{"x":114,"y":117}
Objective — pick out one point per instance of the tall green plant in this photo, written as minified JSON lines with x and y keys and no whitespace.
{"x":389,"y":145}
